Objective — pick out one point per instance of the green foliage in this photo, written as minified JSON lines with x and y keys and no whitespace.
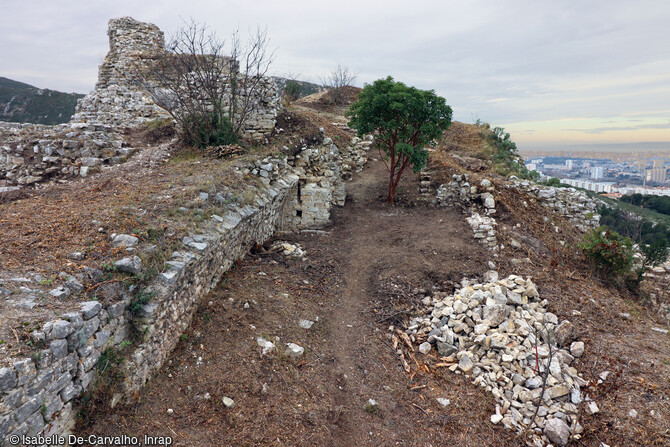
{"x":660,"y":204}
{"x":108,"y":267}
{"x":292,"y":90}
{"x":154,"y":234}
{"x":610,"y":252}
{"x":46,"y":281}
{"x":142,"y":298}
{"x":404,"y":120}
{"x":554,"y":182}
{"x":23,"y":103}
{"x":209,"y":130}
{"x":654,"y":254}
{"x":505,"y":155}
{"x":638,"y":228}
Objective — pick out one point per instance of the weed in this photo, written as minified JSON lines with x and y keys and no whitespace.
{"x":154,"y":234}
{"x":108,"y":267}
{"x":36,"y":357}
{"x":46,"y":281}
{"x":109,"y":377}
{"x":142,"y":298}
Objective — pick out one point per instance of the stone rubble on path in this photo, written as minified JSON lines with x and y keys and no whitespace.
{"x":288,"y":249}
{"x":487,"y":331}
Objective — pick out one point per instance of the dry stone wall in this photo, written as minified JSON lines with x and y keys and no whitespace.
{"x":570,"y":203}
{"x":32,"y":153}
{"x":479,"y":202}
{"x":38,"y":394}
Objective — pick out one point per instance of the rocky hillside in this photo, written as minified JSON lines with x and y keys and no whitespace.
{"x":23,"y":103}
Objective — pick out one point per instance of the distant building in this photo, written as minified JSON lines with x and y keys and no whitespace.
{"x":569,"y":164}
{"x":590,"y":186}
{"x":597,"y":172}
{"x":531,"y":166}
{"x":656,"y":174}
{"x":658,"y":163}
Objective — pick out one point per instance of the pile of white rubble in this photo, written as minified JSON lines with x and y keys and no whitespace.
{"x":489,"y":332}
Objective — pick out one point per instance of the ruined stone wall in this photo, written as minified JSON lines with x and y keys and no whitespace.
{"x":119,"y":98}
{"x":570,"y":203}
{"x":573,"y":205}
{"x":38,"y":394}
{"x":477,"y":201}
{"x":32,"y":153}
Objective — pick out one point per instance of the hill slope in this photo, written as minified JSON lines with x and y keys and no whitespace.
{"x":24,"y":103}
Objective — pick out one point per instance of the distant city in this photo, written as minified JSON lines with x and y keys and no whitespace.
{"x":605,"y":175}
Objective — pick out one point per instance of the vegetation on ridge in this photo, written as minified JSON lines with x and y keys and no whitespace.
{"x":404,"y":120}
{"x":23,"y":103}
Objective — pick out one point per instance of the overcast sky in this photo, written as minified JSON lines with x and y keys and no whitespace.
{"x":550,"y":72}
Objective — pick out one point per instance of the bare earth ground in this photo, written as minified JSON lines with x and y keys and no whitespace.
{"x":347,"y":282}
{"x":355,"y":281}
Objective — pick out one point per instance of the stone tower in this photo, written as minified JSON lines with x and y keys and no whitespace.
{"x":118,"y":98}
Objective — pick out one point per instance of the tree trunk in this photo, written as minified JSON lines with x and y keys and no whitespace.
{"x":395,"y":178}
{"x":391,"y":186}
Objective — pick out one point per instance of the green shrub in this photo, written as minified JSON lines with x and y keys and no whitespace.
{"x":504,"y":153}
{"x":292,"y":90}
{"x":554,"y":181}
{"x":209,"y":130}
{"x":654,"y":254}
{"x":611,"y":253}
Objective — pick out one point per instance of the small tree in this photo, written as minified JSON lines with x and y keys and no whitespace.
{"x":404,"y":120}
{"x":336,"y":82}
{"x":207,"y":86}
{"x":292,"y":90}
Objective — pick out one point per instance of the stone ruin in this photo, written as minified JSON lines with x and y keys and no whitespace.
{"x":118,"y":99}
{"x":93,"y":139}
{"x":478,"y":201}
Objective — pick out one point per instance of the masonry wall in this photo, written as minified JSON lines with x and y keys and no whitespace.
{"x":38,"y":395}
{"x":119,"y":98}
{"x":570,"y":203}
{"x":31,"y":153}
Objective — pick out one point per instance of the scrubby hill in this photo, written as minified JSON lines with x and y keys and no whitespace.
{"x":305,"y":87}
{"x":23,"y":103}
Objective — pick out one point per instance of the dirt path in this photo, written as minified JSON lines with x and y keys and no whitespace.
{"x":353,"y":278}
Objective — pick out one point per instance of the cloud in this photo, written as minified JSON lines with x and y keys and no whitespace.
{"x":600,"y":130}
{"x":507,"y":62}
